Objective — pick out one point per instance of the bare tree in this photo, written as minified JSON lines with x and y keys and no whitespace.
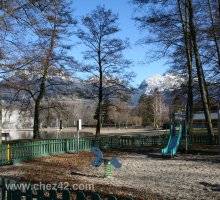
{"x":42,"y":61}
{"x":200,"y":73}
{"x":175,"y":28}
{"x":183,"y":12}
{"x":106,"y":66}
{"x":11,"y":7}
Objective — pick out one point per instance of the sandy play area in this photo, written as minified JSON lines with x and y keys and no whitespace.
{"x":144,"y":174}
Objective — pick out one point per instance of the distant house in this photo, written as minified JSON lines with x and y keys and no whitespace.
{"x":200,"y":122}
{"x":199,"y":116}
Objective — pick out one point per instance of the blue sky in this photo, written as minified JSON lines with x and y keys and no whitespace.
{"x":137,"y":54}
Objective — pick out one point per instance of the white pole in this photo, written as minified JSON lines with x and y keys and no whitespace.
{"x":79,"y":127}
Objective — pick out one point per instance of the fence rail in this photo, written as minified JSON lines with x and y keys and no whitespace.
{"x":11,"y":190}
{"x":204,"y":140}
{"x":21,"y":151}
{"x":17,"y":152}
{"x":4,"y":154}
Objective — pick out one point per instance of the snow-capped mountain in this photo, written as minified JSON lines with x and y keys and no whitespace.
{"x":162,"y":83}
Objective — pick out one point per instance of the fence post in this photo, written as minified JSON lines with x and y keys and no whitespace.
{"x":16,"y":194}
{"x":53,"y":195}
{"x":67,"y":145}
{"x":80,"y":196}
{"x":8,"y":153}
{"x":3,"y":188}
{"x":96,"y":196}
{"x":66,"y":194}
{"x":112,"y":198}
{"x":40,"y":194}
{"x":28,"y":194}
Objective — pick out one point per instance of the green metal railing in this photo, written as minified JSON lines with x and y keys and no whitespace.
{"x":204,"y":140}
{"x":27,"y":150}
{"x":20,"y":151}
{"x":10,"y":190}
{"x":4,"y":154}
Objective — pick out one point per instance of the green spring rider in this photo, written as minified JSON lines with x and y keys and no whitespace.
{"x":107,"y":163}
{"x":108,"y":169}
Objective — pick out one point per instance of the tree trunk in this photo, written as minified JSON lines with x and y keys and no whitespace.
{"x":219,"y":8}
{"x":190,"y":89}
{"x":200,"y":73}
{"x":214,"y":33}
{"x":99,"y":120}
{"x":100,"y":100}
{"x":188,"y":48}
{"x":1,"y":121}
{"x":219,"y":123}
{"x":42,"y":89}
{"x":36,"y":120}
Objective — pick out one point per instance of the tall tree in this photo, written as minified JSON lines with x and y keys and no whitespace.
{"x":174,"y":27}
{"x":42,"y":60}
{"x":200,"y":73}
{"x":216,"y":39}
{"x":106,"y":67}
{"x":146,"y":110}
{"x":11,"y":7}
{"x":183,"y":12}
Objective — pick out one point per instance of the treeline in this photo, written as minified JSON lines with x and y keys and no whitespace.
{"x":188,"y":32}
{"x":36,"y":61}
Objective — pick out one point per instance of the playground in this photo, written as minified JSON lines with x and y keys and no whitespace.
{"x":145,"y":174}
{"x":140,"y":167}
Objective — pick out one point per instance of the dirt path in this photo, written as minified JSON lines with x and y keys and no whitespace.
{"x":144,"y":175}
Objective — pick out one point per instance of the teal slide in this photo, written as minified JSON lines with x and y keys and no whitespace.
{"x":173,"y":142}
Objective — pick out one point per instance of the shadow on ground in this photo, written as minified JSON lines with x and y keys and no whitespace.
{"x":213,"y":187}
{"x":193,"y":155}
{"x":86,"y":175}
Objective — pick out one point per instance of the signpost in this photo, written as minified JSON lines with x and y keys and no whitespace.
{"x":79,"y":127}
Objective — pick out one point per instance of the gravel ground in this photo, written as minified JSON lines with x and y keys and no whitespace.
{"x":144,"y":175}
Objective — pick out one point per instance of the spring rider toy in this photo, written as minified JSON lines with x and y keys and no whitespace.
{"x":107,"y":163}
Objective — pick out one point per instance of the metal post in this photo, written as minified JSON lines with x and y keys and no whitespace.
{"x":8,"y":152}
{"x":77,"y":139}
{"x":186,"y":127}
